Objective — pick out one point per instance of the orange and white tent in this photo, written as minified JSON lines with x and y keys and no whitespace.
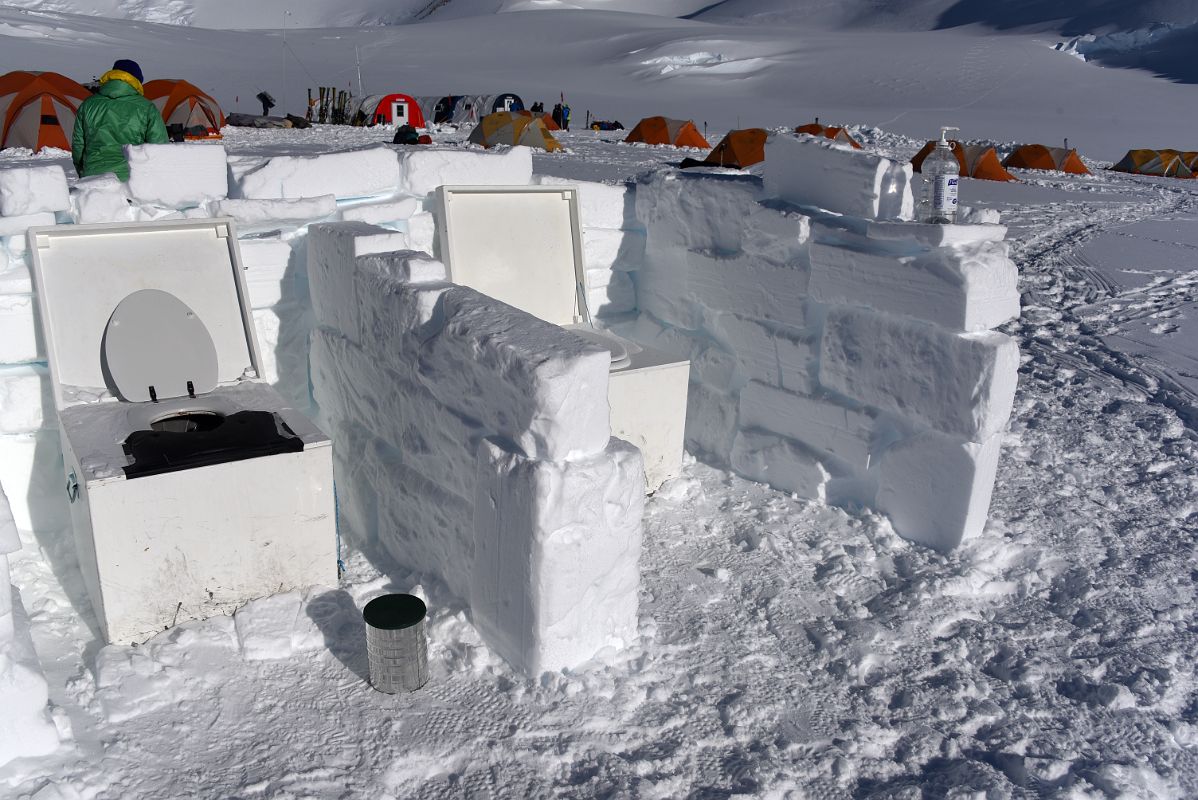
{"x":835,"y":134}
{"x":1162,"y":163}
{"x":181,"y":103}
{"x":37,"y":109}
{"x":663,"y":130}
{"x":1055,"y":159}
{"x":507,"y":127}
{"x":976,"y":160}
{"x":739,"y":149}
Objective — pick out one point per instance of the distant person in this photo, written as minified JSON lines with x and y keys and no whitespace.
{"x":117,"y":115}
{"x":557,"y":114}
{"x":565,"y":123}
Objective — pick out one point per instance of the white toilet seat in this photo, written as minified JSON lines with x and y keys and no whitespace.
{"x":156,"y":348}
{"x":621,"y":350}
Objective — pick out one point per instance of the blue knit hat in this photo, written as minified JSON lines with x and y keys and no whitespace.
{"x":130,"y":66}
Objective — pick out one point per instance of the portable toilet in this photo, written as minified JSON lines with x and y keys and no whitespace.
{"x":194,"y":486}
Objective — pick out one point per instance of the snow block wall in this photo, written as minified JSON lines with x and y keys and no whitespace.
{"x":471,"y":441}
{"x":26,"y":728}
{"x":838,"y":351}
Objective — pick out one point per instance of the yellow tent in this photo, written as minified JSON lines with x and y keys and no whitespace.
{"x":506,"y":127}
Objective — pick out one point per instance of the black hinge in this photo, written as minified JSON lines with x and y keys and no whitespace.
{"x":153,"y":395}
{"x":191,"y":390}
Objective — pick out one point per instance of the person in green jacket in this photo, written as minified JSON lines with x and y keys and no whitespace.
{"x":115,"y":116}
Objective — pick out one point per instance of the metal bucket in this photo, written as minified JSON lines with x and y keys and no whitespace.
{"x":396,"y":645}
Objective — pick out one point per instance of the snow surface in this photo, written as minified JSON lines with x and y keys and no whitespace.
{"x":786,"y":648}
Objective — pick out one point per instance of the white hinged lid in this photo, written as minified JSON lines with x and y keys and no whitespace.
{"x":521,"y":245}
{"x":83,"y":273}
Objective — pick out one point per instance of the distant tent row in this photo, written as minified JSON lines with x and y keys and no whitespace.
{"x":513,"y":128}
{"x":37,"y":109}
{"x":977,"y":161}
{"x":1162,"y":163}
{"x":458,"y":109}
{"x":746,"y":147}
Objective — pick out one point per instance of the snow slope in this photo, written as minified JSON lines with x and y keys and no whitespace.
{"x":623,"y":66}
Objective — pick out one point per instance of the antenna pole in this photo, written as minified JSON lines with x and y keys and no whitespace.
{"x":284,"y":95}
{"x":358,"y":59}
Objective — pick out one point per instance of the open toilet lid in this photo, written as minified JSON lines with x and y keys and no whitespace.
{"x":154,"y":345}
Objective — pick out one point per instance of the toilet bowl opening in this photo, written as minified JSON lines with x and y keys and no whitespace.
{"x":187,"y":422}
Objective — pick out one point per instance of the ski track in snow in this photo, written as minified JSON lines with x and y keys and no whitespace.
{"x":787,"y":649}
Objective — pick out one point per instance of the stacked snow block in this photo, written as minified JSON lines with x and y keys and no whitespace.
{"x":423,"y":169}
{"x":471,"y":442}
{"x":845,"y":356}
{"x":26,"y":728}
{"x":823,"y":174}
{"x":30,"y":457}
{"x":349,"y":174}
{"x":724,"y":283}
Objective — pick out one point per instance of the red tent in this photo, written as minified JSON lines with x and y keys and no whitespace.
{"x":392,"y":109}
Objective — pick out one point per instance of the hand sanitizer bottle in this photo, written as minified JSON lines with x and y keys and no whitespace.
{"x":941,"y":173}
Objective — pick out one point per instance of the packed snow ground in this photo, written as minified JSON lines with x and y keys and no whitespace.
{"x":786,"y":649}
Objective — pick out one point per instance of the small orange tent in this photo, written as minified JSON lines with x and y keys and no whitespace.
{"x":1037,"y":156}
{"x":739,"y":149}
{"x":507,"y":127}
{"x":181,"y":103}
{"x":662,"y":130}
{"x":977,"y":161}
{"x":835,"y":134}
{"x":546,"y":117}
{"x":37,"y":109}
{"x":1162,"y":163}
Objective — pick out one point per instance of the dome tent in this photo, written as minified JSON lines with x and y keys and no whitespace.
{"x":181,"y":104}
{"x":835,"y":134}
{"x":976,"y":160}
{"x":1161,"y":163}
{"x":506,"y":127}
{"x":739,"y":149}
{"x":1038,"y":156}
{"x":390,"y":109}
{"x":37,"y":109}
{"x":662,"y":130}
{"x":544,"y":116}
